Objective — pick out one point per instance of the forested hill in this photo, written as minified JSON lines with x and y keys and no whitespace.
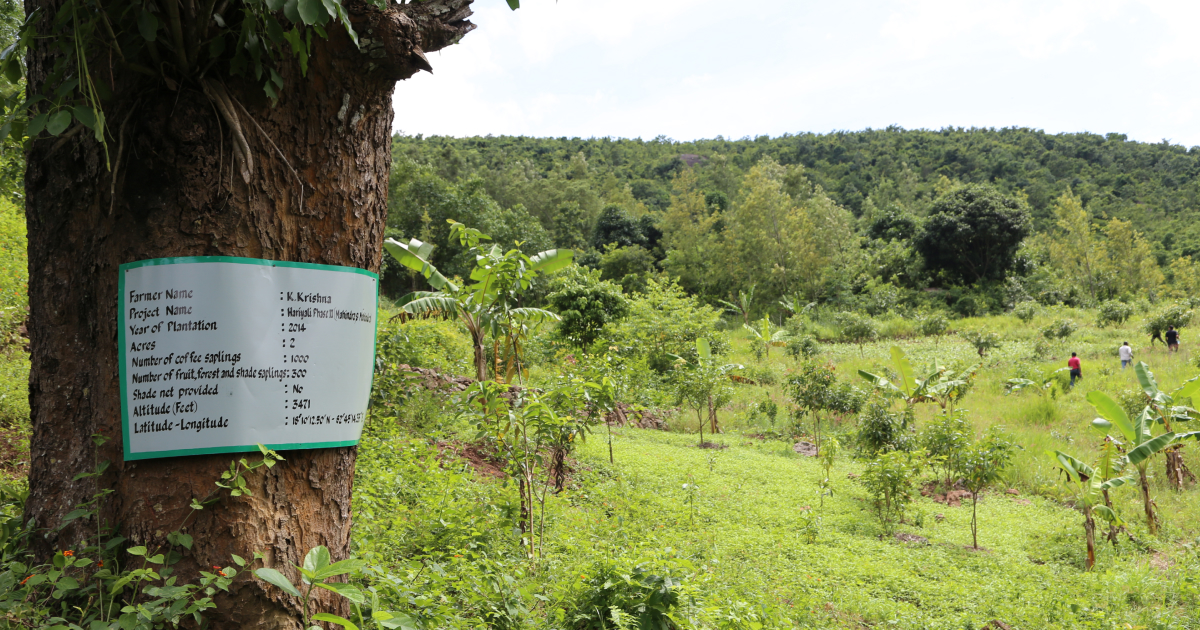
{"x":1152,"y":185}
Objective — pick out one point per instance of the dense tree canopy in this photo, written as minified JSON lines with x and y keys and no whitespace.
{"x":973,"y":233}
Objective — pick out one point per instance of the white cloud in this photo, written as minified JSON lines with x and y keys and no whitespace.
{"x":696,"y":68}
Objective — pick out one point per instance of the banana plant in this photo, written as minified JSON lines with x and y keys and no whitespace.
{"x":1089,"y":489}
{"x":940,"y":385}
{"x":1164,"y":411}
{"x":765,"y":336}
{"x":1142,"y":444}
{"x":1044,"y":382}
{"x":745,"y":301}
{"x":488,"y":304}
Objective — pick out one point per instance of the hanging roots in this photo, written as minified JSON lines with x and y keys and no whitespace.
{"x":241,"y":149}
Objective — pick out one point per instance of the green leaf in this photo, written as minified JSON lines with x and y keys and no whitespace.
{"x":1188,"y":389}
{"x":275,"y":5}
{"x":12,"y":70}
{"x":551,"y":260}
{"x":1106,"y":513}
{"x":311,"y":11}
{"x":1113,"y":412}
{"x":904,"y":369}
{"x":37,"y":124}
{"x":136,"y":551}
{"x":291,"y":11}
{"x":278,"y":579}
{"x":1076,"y":470}
{"x":514,"y":4}
{"x":86,"y":116}
{"x":148,"y":25}
{"x":1146,"y":379}
{"x":1146,"y":450}
{"x":395,"y":621}
{"x":349,"y":591}
{"x":345,"y":623}
{"x":703,"y":350}
{"x":317,"y":559}
{"x":59,"y":122}
{"x":349,"y":565}
{"x":241,"y":562}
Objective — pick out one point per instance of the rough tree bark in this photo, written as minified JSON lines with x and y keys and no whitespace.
{"x":317,"y":194}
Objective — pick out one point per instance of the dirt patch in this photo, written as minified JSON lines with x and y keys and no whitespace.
{"x":714,"y":445}
{"x":950,"y":498}
{"x":484,"y":463}
{"x":996,"y":624}
{"x":1161,"y":562}
{"x":911,"y":538}
{"x":627,"y":416}
{"x":14,"y":452}
{"x":807,"y":449}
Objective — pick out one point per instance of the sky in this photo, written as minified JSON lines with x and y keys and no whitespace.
{"x":689,"y":69}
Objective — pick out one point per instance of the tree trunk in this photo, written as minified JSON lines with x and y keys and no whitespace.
{"x":974,"y":522}
{"x":1112,"y":527}
{"x":1089,"y":528}
{"x":1147,"y":504}
{"x":1177,"y":471}
{"x":174,"y":191}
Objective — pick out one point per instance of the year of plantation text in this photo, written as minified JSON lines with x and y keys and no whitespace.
{"x":222,"y":354}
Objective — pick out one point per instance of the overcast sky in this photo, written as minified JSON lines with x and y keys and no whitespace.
{"x":692,"y":69}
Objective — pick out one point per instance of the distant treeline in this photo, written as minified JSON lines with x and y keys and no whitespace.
{"x":974,"y":220}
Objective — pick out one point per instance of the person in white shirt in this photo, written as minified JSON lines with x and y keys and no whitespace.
{"x":1126,"y":354}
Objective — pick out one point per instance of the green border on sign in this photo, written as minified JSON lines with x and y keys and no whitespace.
{"x":183,"y":260}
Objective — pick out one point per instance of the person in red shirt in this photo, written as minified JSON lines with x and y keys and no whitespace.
{"x":1076,"y":372}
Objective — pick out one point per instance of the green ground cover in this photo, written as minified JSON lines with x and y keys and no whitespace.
{"x":746,"y":533}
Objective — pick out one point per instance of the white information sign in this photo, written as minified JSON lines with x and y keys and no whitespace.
{"x":221,"y":354}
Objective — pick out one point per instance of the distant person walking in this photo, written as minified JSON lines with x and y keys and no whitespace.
{"x":1172,"y":339}
{"x":1126,"y":354}
{"x":1076,"y":371}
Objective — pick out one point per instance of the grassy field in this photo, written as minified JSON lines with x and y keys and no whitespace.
{"x":747,"y":536}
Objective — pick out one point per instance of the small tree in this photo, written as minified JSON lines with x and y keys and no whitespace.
{"x":1026,"y":311}
{"x":935,"y":326}
{"x":703,"y":385}
{"x":880,"y":430}
{"x":855,"y":328}
{"x":814,"y":389}
{"x":983,"y":342}
{"x":827,"y":456}
{"x":890,"y":479}
{"x":947,"y":439}
{"x":981,"y":466}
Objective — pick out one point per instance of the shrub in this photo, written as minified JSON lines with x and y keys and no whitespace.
{"x":586,"y":305}
{"x":890,"y":479}
{"x":880,"y":430}
{"x":1113,"y":312}
{"x":983,"y":342}
{"x":440,"y":345}
{"x":934,"y":325}
{"x":855,"y":328}
{"x":1175,"y":315}
{"x":1025,"y":311}
{"x":945,"y":440}
{"x":803,"y":348}
{"x":1060,"y":329}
